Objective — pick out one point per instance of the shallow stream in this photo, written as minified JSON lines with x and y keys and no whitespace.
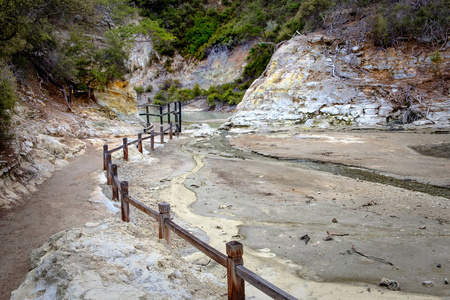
{"x":221,"y":145}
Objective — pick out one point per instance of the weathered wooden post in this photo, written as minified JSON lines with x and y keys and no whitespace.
{"x":108,"y":168}
{"x":115,"y":188}
{"x":140,"y":142}
{"x":125,"y":148}
{"x":171,"y":131}
{"x":176,"y":120}
{"x":168,"y":113}
{"x":160,"y":114}
{"x":124,"y":204}
{"x":152,"y":140}
{"x":105,"y":151}
{"x":147,"y":116}
{"x":162,"y":134}
{"x":164,"y":214}
{"x":179,"y":115}
{"x":236,"y":285}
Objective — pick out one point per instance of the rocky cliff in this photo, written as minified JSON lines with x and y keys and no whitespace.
{"x":119,"y":96}
{"x":148,"y":69}
{"x":318,"y":80}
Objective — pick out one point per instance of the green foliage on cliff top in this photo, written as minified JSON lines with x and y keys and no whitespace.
{"x":199,"y":25}
{"x":427,"y":21}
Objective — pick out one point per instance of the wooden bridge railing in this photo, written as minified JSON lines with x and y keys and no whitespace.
{"x":169,"y":109}
{"x":237,"y":274}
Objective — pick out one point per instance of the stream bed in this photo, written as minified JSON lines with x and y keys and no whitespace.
{"x":311,"y":218}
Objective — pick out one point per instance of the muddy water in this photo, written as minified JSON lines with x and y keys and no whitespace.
{"x":220,"y":144}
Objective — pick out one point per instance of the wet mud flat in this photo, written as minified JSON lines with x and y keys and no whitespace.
{"x":323,"y":226}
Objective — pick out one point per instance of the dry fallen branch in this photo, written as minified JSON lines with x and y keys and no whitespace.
{"x":369,"y":256}
{"x":330,"y":235}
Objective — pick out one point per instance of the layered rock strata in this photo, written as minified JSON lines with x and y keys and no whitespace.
{"x":318,"y":80}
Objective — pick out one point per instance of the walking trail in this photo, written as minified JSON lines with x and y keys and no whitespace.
{"x":59,"y":204}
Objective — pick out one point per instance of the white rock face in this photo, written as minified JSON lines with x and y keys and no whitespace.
{"x":311,"y":76}
{"x":112,"y":260}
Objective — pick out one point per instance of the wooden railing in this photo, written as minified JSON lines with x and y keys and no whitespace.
{"x":107,"y":153}
{"x":237,"y":274}
{"x":169,"y":109}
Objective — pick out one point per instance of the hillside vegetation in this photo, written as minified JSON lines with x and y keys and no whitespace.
{"x":86,"y":43}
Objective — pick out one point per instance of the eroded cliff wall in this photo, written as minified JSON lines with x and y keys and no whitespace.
{"x":318,"y":80}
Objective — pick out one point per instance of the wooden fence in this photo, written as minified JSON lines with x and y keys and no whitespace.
{"x":237,"y":274}
{"x":169,"y":109}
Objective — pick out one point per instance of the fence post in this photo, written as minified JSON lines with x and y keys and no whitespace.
{"x":140,"y":142}
{"x":125,"y":148}
{"x":168,"y":113}
{"x":147,"y":116}
{"x":152,"y":140}
{"x":164,"y":213}
{"x":160,"y":114}
{"x":105,"y":151}
{"x":162,"y":134}
{"x":124,"y":204}
{"x":115,"y":188}
{"x":176,"y":120}
{"x":171,"y":131}
{"x":108,"y":168}
{"x":179,"y":115}
{"x":236,"y":285}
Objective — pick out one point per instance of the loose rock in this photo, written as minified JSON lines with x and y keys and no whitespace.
{"x":390,"y":284}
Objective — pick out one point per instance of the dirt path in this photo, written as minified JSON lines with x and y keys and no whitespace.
{"x":59,"y":204}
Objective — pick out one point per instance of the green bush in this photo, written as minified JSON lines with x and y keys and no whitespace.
{"x":161,"y":97}
{"x":213,"y":99}
{"x":199,"y":35}
{"x":139,"y":89}
{"x":8,"y":97}
{"x":196,"y":92}
{"x":258,"y":58}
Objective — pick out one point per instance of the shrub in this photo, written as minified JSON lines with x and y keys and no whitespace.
{"x":161,"y":97}
{"x":258,"y":58}
{"x":139,"y":89}
{"x":8,"y":97}
{"x":199,"y":35}
{"x":196,"y":90}
{"x":213,"y":99}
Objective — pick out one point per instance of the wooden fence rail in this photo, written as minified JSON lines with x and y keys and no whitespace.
{"x":237,"y":274}
{"x":125,"y":143}
{"x":169,"y":109}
